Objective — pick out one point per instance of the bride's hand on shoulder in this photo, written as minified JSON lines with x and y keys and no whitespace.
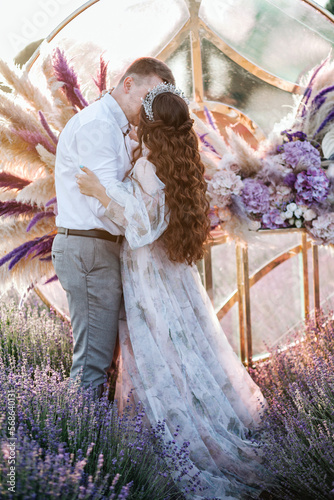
{"x":88,"y":182}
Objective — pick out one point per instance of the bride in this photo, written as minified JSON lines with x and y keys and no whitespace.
{"x":174,"y":352}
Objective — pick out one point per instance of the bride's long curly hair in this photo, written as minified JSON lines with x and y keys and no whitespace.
{"x":173,"y":149}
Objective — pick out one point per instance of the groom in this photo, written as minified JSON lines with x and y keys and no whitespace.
{"x":85,"y":252}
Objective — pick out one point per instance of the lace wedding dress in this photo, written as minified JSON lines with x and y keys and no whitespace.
{"x":174,"y":353}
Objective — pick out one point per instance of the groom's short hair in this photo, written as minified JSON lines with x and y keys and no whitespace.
{"x":148,"y":66}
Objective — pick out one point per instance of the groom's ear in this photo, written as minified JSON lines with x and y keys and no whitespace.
{"x":127,"y":84}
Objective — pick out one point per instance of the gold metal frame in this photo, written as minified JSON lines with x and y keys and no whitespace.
{"x":195,"y":28}
{"x":244,"y":283}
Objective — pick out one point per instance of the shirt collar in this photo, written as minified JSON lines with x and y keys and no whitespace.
{"x":117,"y":112}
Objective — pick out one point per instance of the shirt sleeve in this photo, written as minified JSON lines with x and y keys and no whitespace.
{"x":138,"y":205}
{"x":97,"y":150}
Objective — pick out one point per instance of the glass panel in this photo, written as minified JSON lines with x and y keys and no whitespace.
{"x":122,"y":30}
{"x":180,"y":64}
{"x":227,"y":82}
{"x":285,"y":37}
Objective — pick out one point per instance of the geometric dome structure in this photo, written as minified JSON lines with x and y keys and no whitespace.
{"x":244,"y":60}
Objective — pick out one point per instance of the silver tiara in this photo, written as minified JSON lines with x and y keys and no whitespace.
{"x":161,"y":88}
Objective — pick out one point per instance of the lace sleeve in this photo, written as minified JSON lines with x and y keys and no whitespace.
{"x":138,"y":205}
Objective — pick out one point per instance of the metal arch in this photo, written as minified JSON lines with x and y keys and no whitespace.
{"x":195,"y":27}
{"x":320,"y":9}
{"x":259,"y":274}
{"x":235,"y":113}
{"x":55,"y":32}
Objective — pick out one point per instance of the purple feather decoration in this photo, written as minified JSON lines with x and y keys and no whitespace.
{"x":308,"y":90}
{"x":39,"y":247}
{"x":47,"y":127}
{"x":37,"y":218}
{"x":101,"y":79}
{"x":51,"y":280}
{"x":42,"y":247}
{"x":320,"y":98}
{"x":10,"y":181}
{"x":329,"y":118}
{"x":53,"y":201}
{"x":35,"y":138}
{"x":206,"y":143}
{"x":80,"y":97}
{"x":66,"y":74}
{"x":210,"y":119}
{"x":13,"y":207}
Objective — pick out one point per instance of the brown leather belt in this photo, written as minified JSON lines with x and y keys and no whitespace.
{"x":91,"y":233}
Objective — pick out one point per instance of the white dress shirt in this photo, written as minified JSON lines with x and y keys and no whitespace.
{"x":94,"y":138}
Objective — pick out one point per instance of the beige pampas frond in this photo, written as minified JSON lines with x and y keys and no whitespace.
{"x":17,"y":116}
{"x":39,"y":192}
{"x":23,"y":87}
{"x":211,"y":166}
{"x":24,"y":164}
{"x":246,"y":157}
{"x":15,"y":231}
{"x":212,"y":137}
{"x":25,"y":274}
{"x":46,"y":157}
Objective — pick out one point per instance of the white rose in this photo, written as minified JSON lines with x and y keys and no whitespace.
{"x":288,"y":214}
{"x":283,"y":215}
{"x":291,"y":221}
{"x":298,"y":212}
{"x":298,"y":223}
{"x":292,"y":207}
{"x":309,"y":214}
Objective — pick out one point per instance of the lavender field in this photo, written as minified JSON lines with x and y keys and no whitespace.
{"x":59,"y":442}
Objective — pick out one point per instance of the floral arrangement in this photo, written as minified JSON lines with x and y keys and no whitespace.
{"x":282,"y":184}
{"x":30,"y":123}
{"x":286,"y":182}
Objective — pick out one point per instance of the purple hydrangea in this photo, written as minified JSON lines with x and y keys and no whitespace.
{"x":255,"y":196}
{"x":301,"y":154}
{"x":290,"y":179}
{"x":273,"y":220}
{"x":312,"y":186}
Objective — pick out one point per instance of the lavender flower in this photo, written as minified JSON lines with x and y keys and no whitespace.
{"x":301,"y":155}
{"x":312,"y":186}
{"x":69,"y":444}
{"x":298,"y":424}
{"x":255,"y":196}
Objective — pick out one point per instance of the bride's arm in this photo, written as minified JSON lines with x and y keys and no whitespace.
{"x":90,"y":185}
{"x":137,"y":205}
